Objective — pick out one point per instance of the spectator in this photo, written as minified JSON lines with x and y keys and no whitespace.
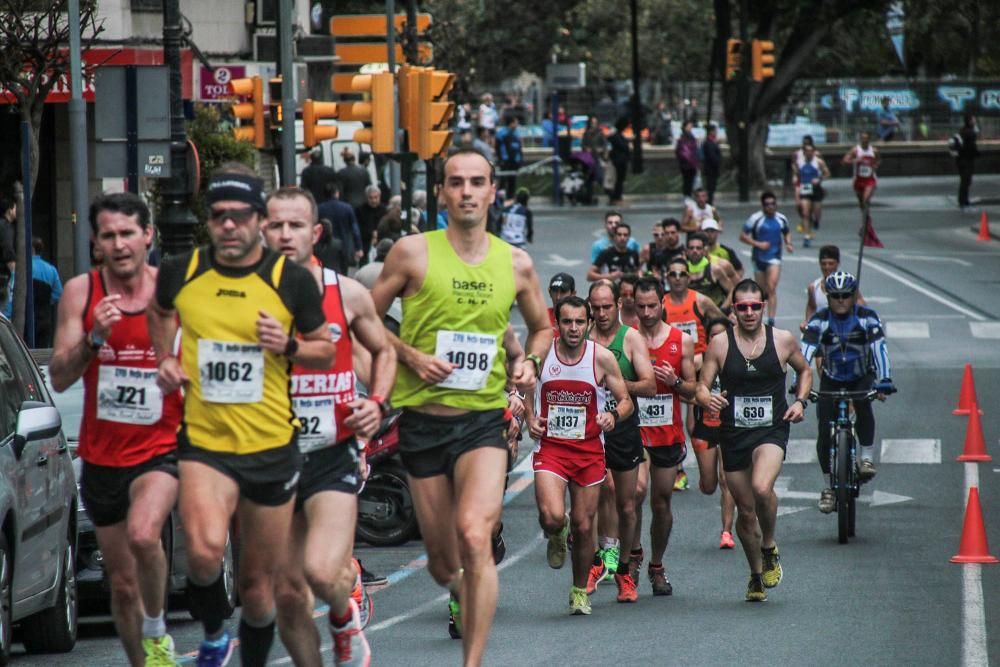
{"x":662,"y":129}
{"x":888,"y":123}
{"x":343,"y":230}
{"x":464,"y":121}
{"x":548,"y":130}
{"x":687,"y":157}
{"x":596,"y":144}
{"x":368,"y":273}
{"x":508,"y":144}
{"x":353,"y":180}
{"x":620,"y":153}
{"x":317,"y":175}
{"x":517,"y":227}
{"x":369,"y":214}
{"x":965,"y":159}
{"x":488,"y":115}
{"x":711,"y":163}
{"x":8,"y":218}
{"x":47,"y":290}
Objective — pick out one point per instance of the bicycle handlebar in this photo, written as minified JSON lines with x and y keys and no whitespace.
{"x":864,"y":394}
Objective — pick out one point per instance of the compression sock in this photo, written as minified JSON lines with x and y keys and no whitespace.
{"x":207,"y":603}
{"x":255,"y":642}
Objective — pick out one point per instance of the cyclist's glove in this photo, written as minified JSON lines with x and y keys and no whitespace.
{"x":885,"y":387}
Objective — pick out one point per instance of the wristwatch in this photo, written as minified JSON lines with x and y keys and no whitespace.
{"x":535,"y":359}
{"x":382,"y":403}
{"x":678,"y":382}
{"x":94,"y":342}
{"x":804,"y":402}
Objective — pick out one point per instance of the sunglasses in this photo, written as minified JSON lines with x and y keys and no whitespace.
{"x":656,"y":235}
{"x":677,"y":274}
{"x":770,"y":203}
{"x":237,"y":215}
{"x":840,"y":295}
{"x":747,"y":306}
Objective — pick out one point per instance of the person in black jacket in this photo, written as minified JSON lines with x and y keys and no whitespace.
{"x":619,"y":155}
{"x":966,"y":159}
{"x":711,"y":161}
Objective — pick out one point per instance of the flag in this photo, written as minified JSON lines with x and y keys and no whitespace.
{"x":871,"y":239}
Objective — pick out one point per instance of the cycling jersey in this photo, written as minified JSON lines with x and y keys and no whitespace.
{"x":850,"y":345}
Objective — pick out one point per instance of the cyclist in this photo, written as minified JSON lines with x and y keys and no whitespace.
{"x":851,"y":340}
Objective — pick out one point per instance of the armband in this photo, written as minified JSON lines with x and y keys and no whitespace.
{"x":535,"y":359}
{"x":291,"y":347}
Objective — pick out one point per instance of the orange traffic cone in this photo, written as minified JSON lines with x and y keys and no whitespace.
{"x":984,"y":228}
{"x":975,"y":444}
{"x":967,"y":395}
{"x":973,"y":547}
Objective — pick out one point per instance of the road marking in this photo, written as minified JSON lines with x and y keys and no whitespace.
{"x":801,"y":450}
{"x":879,"y":299}
{"x":880,"y":498}
{"x":974,"y":651}
{"x":559,"y":260}
{"x":933,"y":258}
{"x":898,"y":329}
{"x":875,"y":266}
{"x":911,"y":450}
{"x":985,"y":329}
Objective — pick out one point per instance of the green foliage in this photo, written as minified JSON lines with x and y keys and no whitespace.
{"x":213,"y":137}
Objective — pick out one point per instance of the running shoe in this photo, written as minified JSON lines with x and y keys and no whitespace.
{"x":360,"y":596}
{"x":772,"y":567}
{"x":215,"y":652}
{"x":159,"y":651}
{"x":579,"y":603}
{"x":726,"y":540}
{"x":815,"y":222}
{"x":627,"y":591}
{"x":556,"y":550}
{"x":499,"y":546}
{"x":799,"y":228}
{"x":827,"y":501}
{"x":658,"y":578}
{"x":635,"y":564}
{"x":610,"y":556}
{"x":596,"y":575}
{"x":755,"y":589}
{"x":350,"y":648}
{"x":806,"y":242}
{"x":866,"y":471}
{"x":369,"y":578}
{"x":454,"y":618}
{"x":681,"y":481}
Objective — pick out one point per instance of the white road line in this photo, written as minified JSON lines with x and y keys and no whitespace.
{"x":801,"y":450}
{"x":902,"y":329}
{"x":985,"y":329}
{"x":919,"y":288}
{"x":910,"y":450}
{"x":933,"y":258}
{"x":974,"y":651}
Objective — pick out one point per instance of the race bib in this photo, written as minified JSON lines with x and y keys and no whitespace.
{"x":472,"y":354}
{"x":806,"y":189}
{"x":319,"y":427}
{"x":129,"y":395}
{"x":230,"y":372}
{"x":656,"y":411}
{"x":566,"y":421}
{"x":865,"y":171}
{"x":690,"y":328}
{"x":752,"y":411}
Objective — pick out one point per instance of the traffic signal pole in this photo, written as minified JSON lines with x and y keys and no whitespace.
{"x":390,"y":32}
{"x":287,"y":93}
{"x":744,"y":122}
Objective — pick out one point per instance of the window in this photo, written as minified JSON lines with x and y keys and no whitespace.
{"x":12,"y":392}
{"x":146,"y":5}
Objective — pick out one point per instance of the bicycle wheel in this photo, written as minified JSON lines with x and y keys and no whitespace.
{"x":845,"y":503}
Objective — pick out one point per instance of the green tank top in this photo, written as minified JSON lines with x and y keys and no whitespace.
{"x":460,"y":313}
{"x":617,"y":347}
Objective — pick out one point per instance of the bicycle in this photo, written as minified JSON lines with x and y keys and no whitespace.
{"x":844,"y":477}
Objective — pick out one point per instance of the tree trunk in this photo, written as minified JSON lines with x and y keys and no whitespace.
{"x":21,"y":267}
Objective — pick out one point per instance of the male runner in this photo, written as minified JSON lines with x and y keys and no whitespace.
{"x":697,"y":211}
{"x":665,"y":246}
{"x":715,"y":248}
{"x":687,"y":309}
{"x":128,"y":433}
{"x":709,"y":275}
{"x":810,"y":172}
{"x":750,"y":363}
{"x":829,"y":263}
{"x":765,"y":231}
{"x":325,"y":401}
{"x":671,"y":352}
{"x":616,"y":260}
{"x":240,"y":306}
{"x":569,"y":419}
{"x":451,"y":379}
{"x":623,"y":445}
{"x":611,"y":220}
{"x":865,"y":159}
{"x":626,"y":300}
{"x":561,"y":286}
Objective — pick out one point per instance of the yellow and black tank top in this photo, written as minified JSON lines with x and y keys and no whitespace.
{"x":238,"y":399}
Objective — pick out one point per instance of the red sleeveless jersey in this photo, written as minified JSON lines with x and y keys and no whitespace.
{"x":660,"y":416}
{"x":320,"y":398}
{"x":126,"y":418}
{"x":569,"y":398}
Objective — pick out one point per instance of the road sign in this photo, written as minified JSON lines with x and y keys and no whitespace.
{"x":566,"y":76}
{"x":376,"y":52}
{"x":152,"y":117}
{"x":111,"y":159}
{"x":372,"y":25}
{"x":214,"y":85}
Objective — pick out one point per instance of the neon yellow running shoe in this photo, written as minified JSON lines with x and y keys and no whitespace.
{"x":579,"y":603}
{"x":159,"y":651}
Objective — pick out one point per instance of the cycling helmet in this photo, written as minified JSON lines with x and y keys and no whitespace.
{"x":841,"y":281}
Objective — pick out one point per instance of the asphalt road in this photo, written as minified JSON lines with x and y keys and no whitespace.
{"x":890,"y":597}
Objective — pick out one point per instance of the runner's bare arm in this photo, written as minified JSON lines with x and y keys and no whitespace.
{"x":850,"y":156}
{"x":724,"y":279}
{"x":536,"y":317}
{"x":635,"y":348}
{"x":368,"y":331}
{"x":823,"y":169}
{"x":689,"y":385}
{"x":611,"y":376}
{"x":708,"y":309}
{"x":712,"y":361}
{"x":163,"y":327}
{"x":789,"y":350}
{"x":71,"y":354}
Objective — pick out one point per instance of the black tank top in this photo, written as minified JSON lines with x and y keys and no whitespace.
{"x":755,"y":388}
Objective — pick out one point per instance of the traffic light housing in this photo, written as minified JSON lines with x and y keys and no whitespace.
{"x":409,"y":103}
{"x":274,"y":91}
{"x":378,"y":111}
{"x":434,"y":112}
{"x":312,"y":131}
{"x":250,"y":110}
{"x":734,"y":58}
{"x":763,"y":59}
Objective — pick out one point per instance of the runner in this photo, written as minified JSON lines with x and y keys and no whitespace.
{"x":709,"y":275}
{"x":712,"y":232}
{"x":623,"y":445}
{"x":865,"y":158}
{"x":627,"y":314}
{"x":671,"y":352}
{"x":240,"y":306}
{"x":450,"y":383}
{"x":796,"y":159}
{"x":750,"y":363}
{"x":698,"y":211}
{"x":829,"y":263}
{"x":810,"y":172}
{"x":666,"y":244}
{"x":326,"y":402}
{"x":570,"y":419}
{"x":611,"y":220}
{"x":617,"y":260}
{"x":766,"y":231}
{"x":128,"y":432}
{"x":561,"y":286}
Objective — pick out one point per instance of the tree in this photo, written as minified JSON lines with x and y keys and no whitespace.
{"x":34,"y":58}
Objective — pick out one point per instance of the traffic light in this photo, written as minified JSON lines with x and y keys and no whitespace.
{"x":434,"y":113}
{"x":251,"y":110}
{"x":378,"y":111}
{"x":734,"y":58}
{"x":763,"y":59}
{"x":409,"y":103}
{"x":312,"y":131}
{"x":274,"y":91}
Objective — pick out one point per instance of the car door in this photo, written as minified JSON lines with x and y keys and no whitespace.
{"x":28,"y":475}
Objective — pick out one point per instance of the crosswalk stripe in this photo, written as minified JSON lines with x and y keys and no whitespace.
{"x":900,"y":329}
{"x":801,"y":450}
{"x":893,"y":450}
{"x":985,"y":329}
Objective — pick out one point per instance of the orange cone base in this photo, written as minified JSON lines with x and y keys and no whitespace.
{"x":975,"y":458}
{"x":963,"y":412}
{"x":974,"y":559}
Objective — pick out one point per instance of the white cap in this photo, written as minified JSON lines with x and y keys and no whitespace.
{"x":710,"y":223}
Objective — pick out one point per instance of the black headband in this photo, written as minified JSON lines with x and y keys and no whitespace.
{"x":236,"y":187}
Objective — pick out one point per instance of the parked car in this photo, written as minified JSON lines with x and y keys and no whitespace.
{"x":94,"y":588}
{"x":38,"y":506}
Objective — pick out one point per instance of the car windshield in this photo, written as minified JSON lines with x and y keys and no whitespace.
{"x":70,"y":406}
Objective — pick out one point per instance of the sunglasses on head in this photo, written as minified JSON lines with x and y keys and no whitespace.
{"x":747,"y":306}
{"x":237,"y":215}
{"x":840,"y":295}
{"x":677,"y":274}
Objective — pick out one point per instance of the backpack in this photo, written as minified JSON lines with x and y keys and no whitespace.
{"x":955,"y":144}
